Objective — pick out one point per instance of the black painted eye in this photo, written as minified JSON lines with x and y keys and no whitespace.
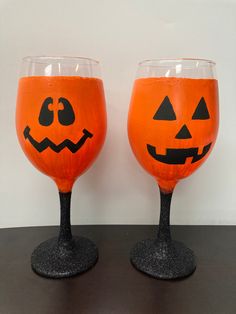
{"x":165,"y":111}
{"x":46,"y":115}
{"x":201,"y":112}
{"x":66,"y":115}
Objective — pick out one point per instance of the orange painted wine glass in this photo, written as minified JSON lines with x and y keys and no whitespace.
{"x":61,"y":127}
{"x":172,"y":127}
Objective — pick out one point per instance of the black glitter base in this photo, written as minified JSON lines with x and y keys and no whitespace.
{"x":54,"y":259}
{"x":163,"y":260}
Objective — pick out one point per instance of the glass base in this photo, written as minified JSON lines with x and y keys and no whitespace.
{"x":163,"y":260}
{"x":52,"y":259}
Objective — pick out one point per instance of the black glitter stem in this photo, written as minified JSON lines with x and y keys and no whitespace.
{"x":161,"y":257}
{"x":65,"y":234}
{"x":64,"y":256}
{"x":164,"y":234}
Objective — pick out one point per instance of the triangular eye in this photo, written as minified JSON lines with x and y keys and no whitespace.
{"x":201,"y":112}
{"x":165,"y":111}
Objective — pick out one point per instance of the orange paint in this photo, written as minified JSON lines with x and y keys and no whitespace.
{"x":86,"y":97}
{"x":184,"y":95}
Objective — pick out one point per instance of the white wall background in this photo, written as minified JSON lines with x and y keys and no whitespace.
{"x":118,"y":33}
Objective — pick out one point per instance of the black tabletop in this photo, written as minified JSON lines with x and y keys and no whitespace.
{"x":113,"y":285}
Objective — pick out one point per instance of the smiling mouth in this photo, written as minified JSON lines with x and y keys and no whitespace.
{"x":46,"y":142}
{"x":177,"y":156}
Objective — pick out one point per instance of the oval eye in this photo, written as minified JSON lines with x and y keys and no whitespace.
{"x":201,"y":112}
{"x":46,"y":115}
{"x":165,"y":111}
{"x":66,"y":115}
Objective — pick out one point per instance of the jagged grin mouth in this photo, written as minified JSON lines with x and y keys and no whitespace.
{"x":46,"y":142}
{"x":178,"y":156}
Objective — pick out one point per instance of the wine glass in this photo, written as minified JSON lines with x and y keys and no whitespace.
{"x":172,"y":128}
{"x":61,"y":127}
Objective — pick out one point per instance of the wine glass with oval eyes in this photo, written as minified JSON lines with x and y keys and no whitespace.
{"x":61,"y":127}
{"x":172,"y":128}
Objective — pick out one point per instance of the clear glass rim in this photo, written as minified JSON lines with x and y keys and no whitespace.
{"x":43,"y":59}
{"x":167,"y":61}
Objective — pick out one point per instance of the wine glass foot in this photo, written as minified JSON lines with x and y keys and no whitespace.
{"x":53,"y":259}
{"x":163,"y":260}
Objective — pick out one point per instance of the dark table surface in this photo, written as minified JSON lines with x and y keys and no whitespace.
{"x":113,"y":285}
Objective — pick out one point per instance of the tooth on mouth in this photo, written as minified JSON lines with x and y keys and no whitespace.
{"x":200,"y":150}
{"x":162,"y":151}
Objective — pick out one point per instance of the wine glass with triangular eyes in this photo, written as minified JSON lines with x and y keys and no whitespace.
{"x":172,"y":128}
{"x":61,"y":127}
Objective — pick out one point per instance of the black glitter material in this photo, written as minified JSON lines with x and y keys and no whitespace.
{"x":64,"y":256}
{"x":53,"y":259}
{"x":163,"y":258}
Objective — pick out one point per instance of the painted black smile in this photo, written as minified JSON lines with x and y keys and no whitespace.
{"x":177,"y":156}
{"x":45,"y":143}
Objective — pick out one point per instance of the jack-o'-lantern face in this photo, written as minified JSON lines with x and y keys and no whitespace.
{"x":61,"y":124}
{"x":172,"y":125}
{"x":178,"y":156}
{"x":66,"y":117}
